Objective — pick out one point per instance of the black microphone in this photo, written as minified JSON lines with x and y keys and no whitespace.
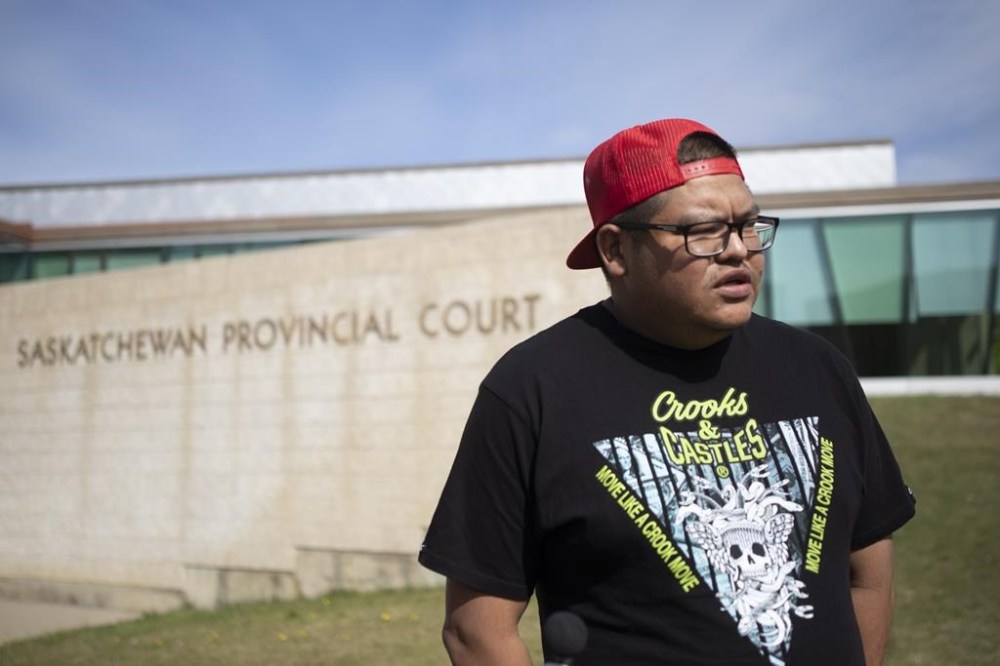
{"x":564,"y":635}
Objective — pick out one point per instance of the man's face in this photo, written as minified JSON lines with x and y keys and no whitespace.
{"x":675,"y":297}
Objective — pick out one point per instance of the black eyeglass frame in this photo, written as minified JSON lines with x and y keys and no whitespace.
{"x":684,"y":230}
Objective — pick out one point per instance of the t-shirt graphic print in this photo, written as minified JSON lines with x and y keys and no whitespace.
{"x":739,"y":509}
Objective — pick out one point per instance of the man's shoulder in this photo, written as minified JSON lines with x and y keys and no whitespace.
{"x":581,"y":327}
{"x":779,"y":333}
{"x":557,"y":346}
{"x":797,"y":345}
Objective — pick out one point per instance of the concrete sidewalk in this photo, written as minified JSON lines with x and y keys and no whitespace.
{"x":28,"y":619}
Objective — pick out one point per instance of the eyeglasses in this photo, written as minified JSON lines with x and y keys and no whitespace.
{"x":707,"y":239}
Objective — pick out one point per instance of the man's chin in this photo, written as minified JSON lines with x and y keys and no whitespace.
{"x":733,"y":317}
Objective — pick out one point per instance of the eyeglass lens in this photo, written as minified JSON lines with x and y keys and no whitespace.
{"x":710,"y":238}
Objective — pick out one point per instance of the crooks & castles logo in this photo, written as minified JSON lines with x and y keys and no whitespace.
{"x":734,"y":507}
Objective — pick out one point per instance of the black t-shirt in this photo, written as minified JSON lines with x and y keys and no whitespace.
{"x":692,"y":507}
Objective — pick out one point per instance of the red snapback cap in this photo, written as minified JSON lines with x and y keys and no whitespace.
{"x":632,"y":166}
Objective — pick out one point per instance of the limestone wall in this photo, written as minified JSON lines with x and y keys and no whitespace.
{"x":257,"y":426}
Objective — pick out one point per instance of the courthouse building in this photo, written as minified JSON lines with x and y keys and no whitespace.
{"x":251,"y":387}
{"x":902,"y":279}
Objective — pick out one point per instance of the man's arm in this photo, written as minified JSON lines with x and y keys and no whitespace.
{"x":871,"y":592}
{"x":482,"y":629}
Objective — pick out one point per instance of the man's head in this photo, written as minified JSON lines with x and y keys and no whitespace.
{"x":673,"y":283}
{"x":641,"y":162}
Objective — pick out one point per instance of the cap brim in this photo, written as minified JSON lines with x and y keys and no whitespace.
{"x":584,"y":255}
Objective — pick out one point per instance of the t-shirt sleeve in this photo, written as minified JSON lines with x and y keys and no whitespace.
{"x":886,"y":503}
{"x":481,"y":534}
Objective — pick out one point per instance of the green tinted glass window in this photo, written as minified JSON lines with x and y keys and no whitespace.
{"x":796,"y":274}
{"x":213,"y":250}
{"x":952,"y":256}
{"x":867,"y":262}
{"x":49,"y":265}
{"x":183,"y":253}
{"x":13,"y":267}
{"x":89,"y":262}
{"x":121,"y":259}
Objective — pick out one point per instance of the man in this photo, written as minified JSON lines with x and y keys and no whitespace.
{"x":699,"y":484}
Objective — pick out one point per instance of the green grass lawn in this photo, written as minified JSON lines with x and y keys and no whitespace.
{"x":946,"y":582}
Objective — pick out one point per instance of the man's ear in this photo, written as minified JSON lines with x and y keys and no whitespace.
{"x":609,"y":249}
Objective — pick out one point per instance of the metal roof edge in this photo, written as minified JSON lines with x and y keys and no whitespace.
{"x":900,"y":194}
{"x":307,"y":173}
{"x":818,"y":145}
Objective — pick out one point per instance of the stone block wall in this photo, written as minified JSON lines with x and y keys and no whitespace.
{"x":262,"y":425}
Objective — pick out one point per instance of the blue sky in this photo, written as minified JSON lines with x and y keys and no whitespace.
{"x":96,"y":90}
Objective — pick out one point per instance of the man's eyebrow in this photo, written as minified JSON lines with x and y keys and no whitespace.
{"x":752,"y":212}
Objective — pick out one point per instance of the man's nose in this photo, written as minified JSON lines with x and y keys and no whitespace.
{"x":735,"y":247}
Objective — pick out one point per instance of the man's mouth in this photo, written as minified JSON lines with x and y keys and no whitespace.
{"x":737,"y":284}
